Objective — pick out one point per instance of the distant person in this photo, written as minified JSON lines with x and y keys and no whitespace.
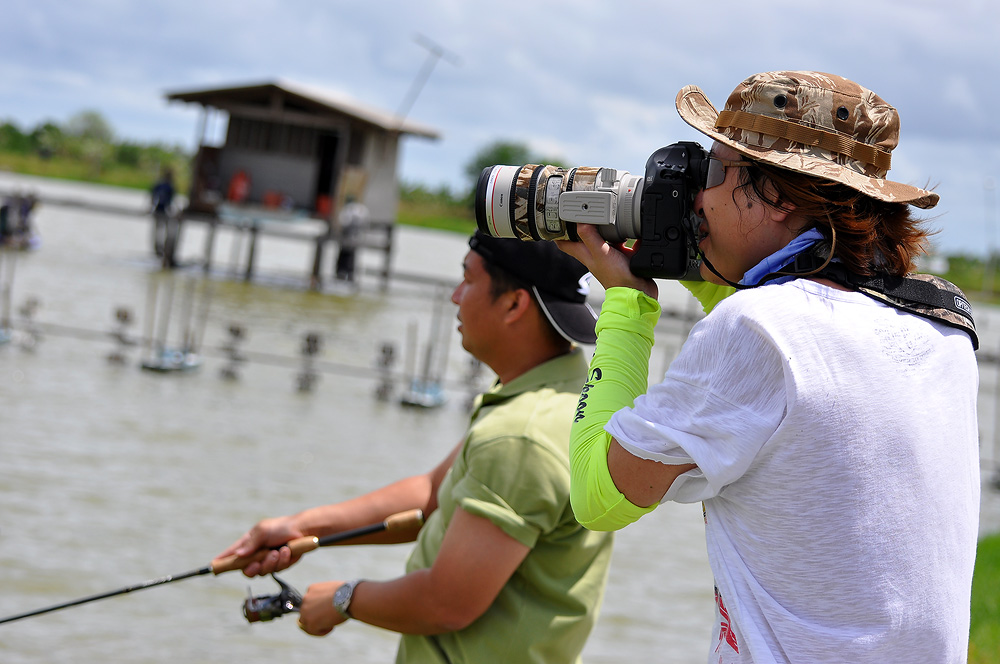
{"x":26,"y":208}
{"x":166,"y":228}
{"x":27,"y":237}
{"x":501,"y":570}
{"x":351,"y":223}
{"x":16,"y":228}
{"x":6,"y":221}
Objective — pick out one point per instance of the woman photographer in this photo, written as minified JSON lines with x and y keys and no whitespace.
{"x":831,"y":438}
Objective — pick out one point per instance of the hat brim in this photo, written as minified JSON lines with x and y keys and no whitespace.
{"x":696,"y":110}
{"x":574,"y":321}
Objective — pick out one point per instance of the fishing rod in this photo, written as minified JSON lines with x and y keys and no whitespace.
{"x":394,"y":523}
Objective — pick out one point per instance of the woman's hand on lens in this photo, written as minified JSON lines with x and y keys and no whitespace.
{"x":608,"y":264}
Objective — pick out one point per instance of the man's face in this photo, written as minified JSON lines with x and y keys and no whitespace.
{"x":480,"y":317}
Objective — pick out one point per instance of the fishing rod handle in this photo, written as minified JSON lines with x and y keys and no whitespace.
{"x":408,"y":520}
{"x":401,"y":521}
{"x":405,"y":520}
{"x":234,"y":562}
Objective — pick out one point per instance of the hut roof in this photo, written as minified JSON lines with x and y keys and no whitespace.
{"x":307,"y":96}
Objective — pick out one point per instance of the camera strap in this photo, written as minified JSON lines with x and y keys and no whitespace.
{"x":923,"y":295}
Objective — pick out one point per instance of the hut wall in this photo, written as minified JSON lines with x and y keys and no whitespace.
{"x":283,"y":173}
{"x":382,"y":191}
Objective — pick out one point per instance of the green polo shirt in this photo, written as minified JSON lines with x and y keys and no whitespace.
{"x":514,"y":470}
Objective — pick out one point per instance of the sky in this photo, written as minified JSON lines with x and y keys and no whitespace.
{"x":588,"y":82}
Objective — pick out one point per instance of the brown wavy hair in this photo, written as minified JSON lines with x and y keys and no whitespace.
{"x":871,"y":235}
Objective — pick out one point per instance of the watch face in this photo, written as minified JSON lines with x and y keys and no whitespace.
{"x":342,"y":598}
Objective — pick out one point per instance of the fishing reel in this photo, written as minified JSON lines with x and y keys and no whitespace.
{"x":264,"y":608}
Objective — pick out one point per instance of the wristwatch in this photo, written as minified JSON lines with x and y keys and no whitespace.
{"x":342,"y":598}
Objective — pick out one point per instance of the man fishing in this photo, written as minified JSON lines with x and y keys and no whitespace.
{"x":501,"y":570}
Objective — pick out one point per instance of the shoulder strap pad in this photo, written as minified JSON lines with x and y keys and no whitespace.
{"x":920,"y":294}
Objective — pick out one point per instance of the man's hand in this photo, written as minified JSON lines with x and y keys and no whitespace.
{"x":317,"y":616}
{"x":267,"y":534}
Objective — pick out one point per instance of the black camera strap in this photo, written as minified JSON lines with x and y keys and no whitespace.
{"x":923,"y":295}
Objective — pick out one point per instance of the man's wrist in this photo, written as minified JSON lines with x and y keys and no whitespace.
{"x":343,"y":596}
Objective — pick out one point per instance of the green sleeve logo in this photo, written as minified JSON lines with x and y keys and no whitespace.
{"x":595,"y":375}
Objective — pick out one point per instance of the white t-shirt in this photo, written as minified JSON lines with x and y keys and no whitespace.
{"x":837,"y":449}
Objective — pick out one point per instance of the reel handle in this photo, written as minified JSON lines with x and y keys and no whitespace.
{"x":234,"y":562}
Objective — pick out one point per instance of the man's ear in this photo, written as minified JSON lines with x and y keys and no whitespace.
{"x":518,"y":304}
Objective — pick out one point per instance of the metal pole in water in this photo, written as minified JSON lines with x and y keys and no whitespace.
{"x":7,"y":265}
{"x":206,"y":301}
{"x":443,"y":355}
{"x":432,"y":339}
{"x":411,"y":354}
{"x":152,"y":292}
{"x":164,"y":317}
{"x":187,"y":314}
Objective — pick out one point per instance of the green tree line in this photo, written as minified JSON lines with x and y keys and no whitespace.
{"x":441,"y":207}
{"x":85,"y":148}
{"x":501,"y":152}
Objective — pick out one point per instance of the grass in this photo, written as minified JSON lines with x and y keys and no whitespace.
{"x":977,"y":278}
{"x":984,"y":634}
{"x":440,"y":215}
{"x":81,"y":171}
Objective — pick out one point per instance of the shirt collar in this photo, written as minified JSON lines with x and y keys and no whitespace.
{"x":570,"y":366}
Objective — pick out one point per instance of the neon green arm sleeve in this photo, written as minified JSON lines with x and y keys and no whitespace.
{"x":707,"y":293}
{"x":619,"y":372}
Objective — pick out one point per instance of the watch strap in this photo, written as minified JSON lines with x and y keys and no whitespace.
{"x":342,"y":597}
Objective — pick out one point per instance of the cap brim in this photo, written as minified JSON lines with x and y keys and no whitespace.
{"x":575,"y":321}
{"x":696,"y":110}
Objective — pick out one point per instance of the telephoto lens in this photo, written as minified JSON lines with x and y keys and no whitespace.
{"x":534,"y":202}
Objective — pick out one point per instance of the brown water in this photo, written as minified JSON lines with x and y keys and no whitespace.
{"x":111,"y":475}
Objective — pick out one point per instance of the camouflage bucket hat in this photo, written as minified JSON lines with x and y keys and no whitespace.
{"x":809,"y":122}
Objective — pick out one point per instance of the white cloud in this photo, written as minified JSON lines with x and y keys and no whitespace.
{"x":589,"y":81}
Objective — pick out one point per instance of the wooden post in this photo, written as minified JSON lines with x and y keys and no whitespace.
{"x":253,"y":250}
{"x":388,"y":255}
{"x":209,"y":245}
{"x":316,"y":280}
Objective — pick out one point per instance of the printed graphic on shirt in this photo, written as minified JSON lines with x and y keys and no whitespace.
{"x":726,"y":634}
{"x":906,"y":348}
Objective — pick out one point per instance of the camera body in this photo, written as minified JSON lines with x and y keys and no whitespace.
{"x":534,"y":202}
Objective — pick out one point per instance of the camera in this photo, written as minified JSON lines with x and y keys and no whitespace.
{"x":536,"y":202}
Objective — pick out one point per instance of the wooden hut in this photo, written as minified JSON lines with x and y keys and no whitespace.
{"x":295,"y":148}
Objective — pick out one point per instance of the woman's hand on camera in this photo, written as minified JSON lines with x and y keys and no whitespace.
{"x":608,"y":264}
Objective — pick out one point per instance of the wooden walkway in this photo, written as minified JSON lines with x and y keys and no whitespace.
{"x":251,"y":224}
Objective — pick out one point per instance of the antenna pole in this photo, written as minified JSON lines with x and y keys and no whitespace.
{"x":435,"y":52}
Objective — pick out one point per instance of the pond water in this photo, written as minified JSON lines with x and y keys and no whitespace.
{"x":111,"y":475}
